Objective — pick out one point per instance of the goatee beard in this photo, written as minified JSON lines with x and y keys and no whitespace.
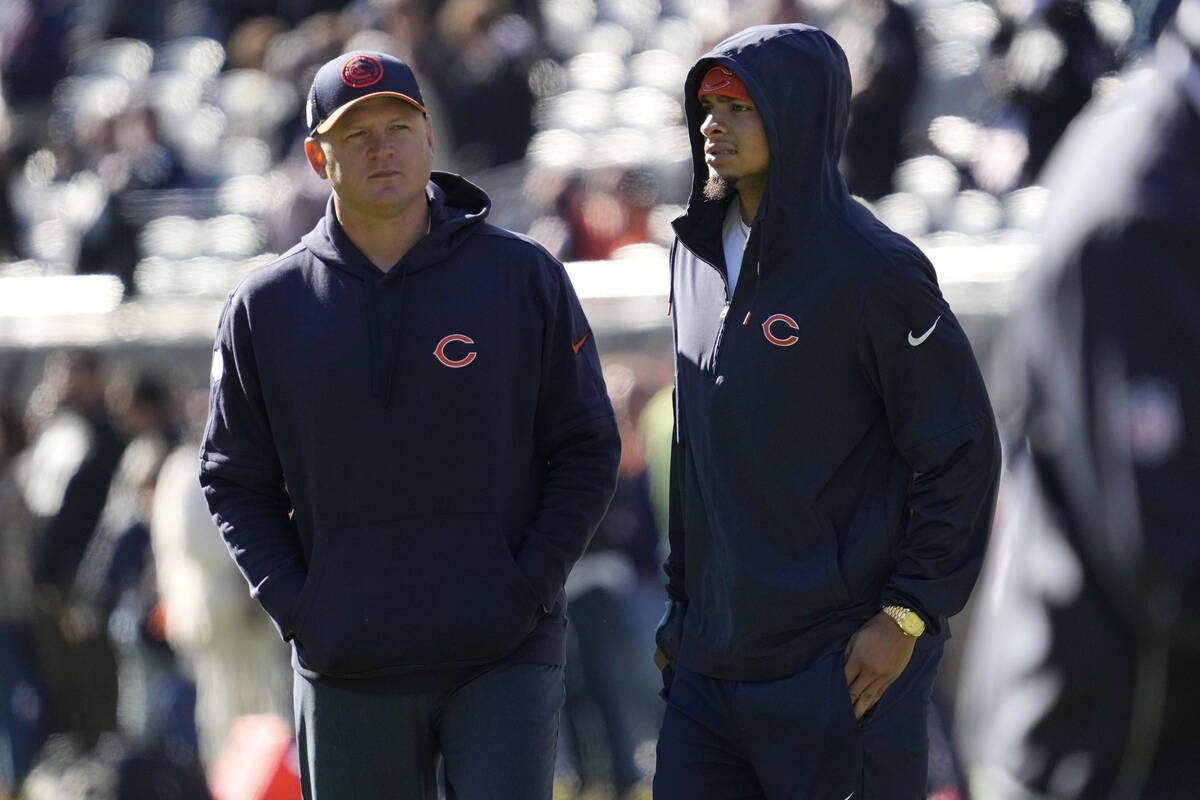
{"x":716,"y":187}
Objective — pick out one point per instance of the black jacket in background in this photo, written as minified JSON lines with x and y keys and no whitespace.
{"x":1080,"y":675}
{"x":405,"y":465}
{"x":824,"y":465}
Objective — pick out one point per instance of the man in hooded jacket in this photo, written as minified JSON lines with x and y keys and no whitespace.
{"x":1079,"y":676}
{"x":835,"y":460}
{"x":409,"y":444}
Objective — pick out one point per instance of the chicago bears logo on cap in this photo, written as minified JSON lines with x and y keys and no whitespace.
{"x":719,"y":80}
{"x":362,"y":71}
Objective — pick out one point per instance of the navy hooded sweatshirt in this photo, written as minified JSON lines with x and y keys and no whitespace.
{"x":835,"y":448}
{"x":405,"y":465}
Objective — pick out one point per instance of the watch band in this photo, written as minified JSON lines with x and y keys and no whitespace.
{"x":910,"y":622}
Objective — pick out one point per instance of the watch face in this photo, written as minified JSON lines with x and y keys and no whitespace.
{"x":912,"y":624}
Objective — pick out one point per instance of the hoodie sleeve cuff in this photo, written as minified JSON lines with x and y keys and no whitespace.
{"x":279,"y":596}
{"x":541,"y":573}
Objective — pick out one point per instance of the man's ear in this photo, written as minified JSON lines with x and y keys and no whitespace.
{"x":429,"y":131}
{"x":316,"y":157}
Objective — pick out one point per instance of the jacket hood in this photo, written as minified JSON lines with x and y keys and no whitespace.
{"x":799,"y":80}
{"x":456,"y":208}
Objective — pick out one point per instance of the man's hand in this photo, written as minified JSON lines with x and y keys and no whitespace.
{"x":660,"y":659}
{"x":876,"y":655}
{"x":668,"y":633}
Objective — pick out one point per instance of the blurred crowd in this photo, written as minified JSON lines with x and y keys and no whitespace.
{"x":160,"y":141}
{"x":129,"y":646}
{"x":133,"y":661}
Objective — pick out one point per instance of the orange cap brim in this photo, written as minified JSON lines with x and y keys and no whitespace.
{"x":332,"y":119}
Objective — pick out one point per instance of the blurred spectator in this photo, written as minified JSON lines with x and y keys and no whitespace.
{"x":70,"y":464}
{"x":138,"y":159}
{"x":606,"y":695}
{"x":115,"y":593}
{"x":11,"y":160}
{"x":656,"y":425}
{"x":1085,"y":647}
{"x":250,"y":40}
{"x":1042,"y":70}
{"x":302,"y":202}
{"x":407,"y":21}
{"x":65,"y":480}
{"x":478,"y":59}
{"x":24,"y":714}
{"x":638,"y":193}
{"x":595,"y":213}
{"x":884,"y":82}
{"x":290,"y":11}
{"x":295,"y":55}
{"x":69,"y":770}
{"x":33,"y":50}
{"x":224,"y":638}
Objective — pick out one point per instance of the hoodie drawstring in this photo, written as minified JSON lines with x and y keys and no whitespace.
{"x":371,"y":302}
{"x":760,"y":249}
{"x":391,"y":363}
{"x":384,"y":344}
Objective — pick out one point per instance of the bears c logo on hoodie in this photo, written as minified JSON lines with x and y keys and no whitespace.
{"x":439,"y":352}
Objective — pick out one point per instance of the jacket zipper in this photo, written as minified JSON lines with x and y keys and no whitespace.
{"x":721,"y":331}
{"x":716,"y":349}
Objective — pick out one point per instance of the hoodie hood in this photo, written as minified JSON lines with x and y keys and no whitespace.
{"x":456,"y":208}
{"x":799,"y":80}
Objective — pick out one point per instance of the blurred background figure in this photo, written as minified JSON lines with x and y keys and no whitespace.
{"x":66,"y":477}
{"x":610,"y":687}
{"x":1080,"y":678}
{"x":109,"y":771}
{"x":884,"y":84}
{"x":1043,"y":64}
{"x":24,"y":713}
{"x":135,"y":160}
{"x":477,"y":56}
{"x":220,"y":633}
{"x":115,"y":591}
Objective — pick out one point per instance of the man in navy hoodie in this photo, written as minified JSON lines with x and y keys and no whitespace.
{"x":835,"y":459}
{"x":409,"y":444}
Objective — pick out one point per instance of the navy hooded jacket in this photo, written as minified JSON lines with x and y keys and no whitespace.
{"x":405,"y":465}
{"x":835,"y":447}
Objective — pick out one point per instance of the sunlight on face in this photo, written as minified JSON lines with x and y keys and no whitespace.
{"x":377,"y":157}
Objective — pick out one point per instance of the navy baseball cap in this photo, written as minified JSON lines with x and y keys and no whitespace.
{"x":355,"y":76}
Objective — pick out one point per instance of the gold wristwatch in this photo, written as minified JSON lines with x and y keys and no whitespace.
{"x":909,"y":621}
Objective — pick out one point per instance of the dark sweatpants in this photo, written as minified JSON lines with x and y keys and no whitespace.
{"x":497,"y":734}
{"x":795,"y":738}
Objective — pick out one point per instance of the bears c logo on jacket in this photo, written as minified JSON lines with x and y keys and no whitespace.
{"x":439,"y":352}
{"x":775,"y":320}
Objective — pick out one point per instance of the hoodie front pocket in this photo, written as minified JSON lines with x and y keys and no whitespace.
{"x":801,"y":565}
{"x":416,"y":593}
